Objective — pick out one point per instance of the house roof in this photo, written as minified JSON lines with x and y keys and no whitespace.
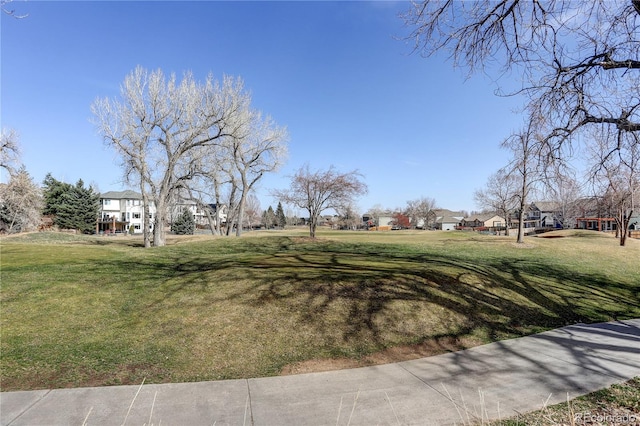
{"x":447,"y":219}
{"x":121,"y":195}
{"x":451,"y":216}
{"x":546,"y":206}
{"x":483,"y":217}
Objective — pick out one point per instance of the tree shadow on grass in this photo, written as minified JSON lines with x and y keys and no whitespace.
{"x":365,"y":290}
{"x":510,"y":296}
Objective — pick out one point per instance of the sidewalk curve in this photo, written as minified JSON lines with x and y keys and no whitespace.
{"x":489,"y":381}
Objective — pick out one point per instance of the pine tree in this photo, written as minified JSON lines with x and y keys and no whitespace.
{"x":269,"y":218}
{"x":281,"y":219}
{"x":184,"y":224}
{"x":52,"y":193}
{"x":87,"y":208}
{"x":73,"y":206}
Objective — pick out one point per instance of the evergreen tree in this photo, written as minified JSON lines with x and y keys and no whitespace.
{"x":269,"y":218}
{"x":73,"y":206}
{"x":52,"y":193}
{"x":65,"y":209}
{"x":87,"y":208}
{"x":184,"y":224}
{"x":281,"y":219}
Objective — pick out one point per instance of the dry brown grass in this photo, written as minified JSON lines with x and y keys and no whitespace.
{"x":80,"y":311}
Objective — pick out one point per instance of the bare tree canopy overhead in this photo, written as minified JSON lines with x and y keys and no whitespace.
{"x":578,"y":61}
{"x":317,"y":191}
{"x":7,"y":8}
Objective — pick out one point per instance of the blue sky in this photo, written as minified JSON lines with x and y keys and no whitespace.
{"x":337,"y":74}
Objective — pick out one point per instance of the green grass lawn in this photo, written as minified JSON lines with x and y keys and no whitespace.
{"x":86,"y":311}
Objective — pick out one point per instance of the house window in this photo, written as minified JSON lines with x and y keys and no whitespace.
{"x":136,"y":215}
{"x":106,"y":202}
{"x":128,"y":215}
{"x":136,"y":227}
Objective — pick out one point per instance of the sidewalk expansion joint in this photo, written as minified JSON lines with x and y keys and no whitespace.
{"x":29,"y":407}
{"x":248,"y":406}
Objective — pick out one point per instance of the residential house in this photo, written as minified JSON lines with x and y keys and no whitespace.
{"x":551,"y":215}
{"x":121,"y":212}
{"x":447,"y":220}
{"x":218,"y":212}
{"x":634,"y":222}
{"x":383,"y":222}
{"x":484,"y":221}
{"x":541,"y":215}
{"x":200,"y":213}
{"x":596,"y":223}
{"x":593,"y":214}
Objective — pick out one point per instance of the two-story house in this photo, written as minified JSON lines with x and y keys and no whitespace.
{"x":122,"y":212}
{"x":202,"y":214}
{"x":541,"y":215}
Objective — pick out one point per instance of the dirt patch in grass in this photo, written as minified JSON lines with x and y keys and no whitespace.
{"x":396,"y":354}
{"x":68,"y":376}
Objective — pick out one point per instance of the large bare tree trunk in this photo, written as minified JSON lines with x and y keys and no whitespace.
{"x":159,"y":235}
{"x":241,"y":214}
{"x":521,"y":226}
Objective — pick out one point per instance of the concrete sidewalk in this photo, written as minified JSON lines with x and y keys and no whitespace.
{"x":490,"y":381}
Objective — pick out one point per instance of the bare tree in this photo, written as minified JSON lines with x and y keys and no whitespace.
{"x":207,"y":186}
{"x":411,"y":210}
{"x":562,"y":188}
{"x":578,"y":61}
{"x":616,"y":175}
{"x":9,"y":151}
{"x":252,"y":210}
{"x":500,"y":195}
{"x":317,"y":191}
{"x":421,"y":210}
{"x":259,"y":148}
{"x":160,"y":127}
{"x":20,"y":203}
{"x":527,"y":148}
{"x":375,"y":212}
{"x":348,"y":217}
